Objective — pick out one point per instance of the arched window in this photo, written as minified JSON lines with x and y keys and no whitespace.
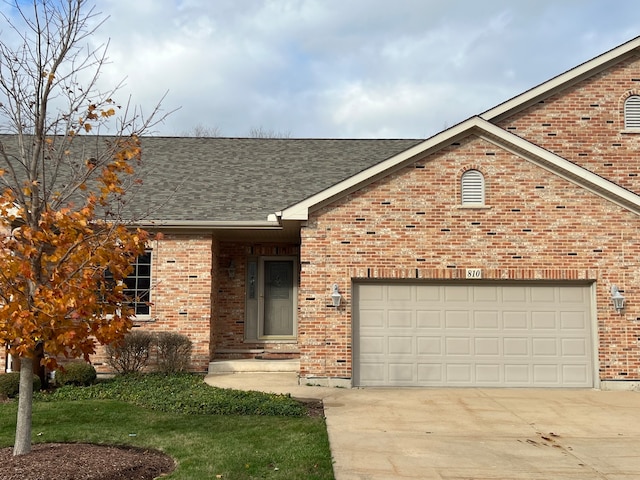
{"x":632,"y":112}
{"x":472,"y":188}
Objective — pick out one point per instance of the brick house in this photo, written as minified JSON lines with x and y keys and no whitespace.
{"x":486,"y":255}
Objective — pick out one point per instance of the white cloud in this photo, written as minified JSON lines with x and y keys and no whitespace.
{"x":357,"y":68}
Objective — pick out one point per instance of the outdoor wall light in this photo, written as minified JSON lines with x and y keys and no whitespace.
{"x":335,"y":295}
{"x":617,"y":298}
{"x":231,"y":270}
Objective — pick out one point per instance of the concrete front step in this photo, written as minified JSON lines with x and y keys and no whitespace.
{"x":253,"y":365}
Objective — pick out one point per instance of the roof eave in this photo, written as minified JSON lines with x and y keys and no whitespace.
{"x":208,"y":225}
{"x":484,"y":129}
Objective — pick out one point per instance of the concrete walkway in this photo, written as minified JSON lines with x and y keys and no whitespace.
{"x":478,"y":434}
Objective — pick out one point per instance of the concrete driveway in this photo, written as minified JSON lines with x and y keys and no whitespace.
{"x":471,"y":434}
{"x":484,"y":434}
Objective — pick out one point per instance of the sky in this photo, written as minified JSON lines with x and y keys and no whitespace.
{"x":345,"y":68}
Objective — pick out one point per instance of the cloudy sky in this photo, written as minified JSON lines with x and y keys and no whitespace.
{"x":347,"y":68}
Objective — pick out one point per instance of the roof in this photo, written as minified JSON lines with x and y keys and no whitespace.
{"x":240,"y":181}
{"x":479,"y":127}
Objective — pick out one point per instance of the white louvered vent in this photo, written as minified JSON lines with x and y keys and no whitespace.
{"x":632,"y":112}
{"x":472,"y":188}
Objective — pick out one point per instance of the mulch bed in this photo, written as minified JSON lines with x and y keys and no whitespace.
{"x":83,"y":461}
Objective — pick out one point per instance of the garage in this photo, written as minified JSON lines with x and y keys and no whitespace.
{"x":473,"y":334}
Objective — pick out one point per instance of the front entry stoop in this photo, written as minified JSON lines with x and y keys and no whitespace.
{"x":253,"y":365}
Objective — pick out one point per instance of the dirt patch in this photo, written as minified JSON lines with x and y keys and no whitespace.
{"x":82,"y":461}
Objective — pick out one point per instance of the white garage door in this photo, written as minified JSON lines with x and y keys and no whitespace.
{"x":491,"y":335}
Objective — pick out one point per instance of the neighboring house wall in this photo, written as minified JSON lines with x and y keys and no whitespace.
{"x":585,"y":124}
{"x":536,"y":226}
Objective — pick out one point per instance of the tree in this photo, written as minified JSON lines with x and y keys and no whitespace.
{"x":202,"y":131}
{"x":62,"y":193}
{"x":261,"y":132}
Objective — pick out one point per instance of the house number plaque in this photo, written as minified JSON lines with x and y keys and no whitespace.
{"x":474,"y":273}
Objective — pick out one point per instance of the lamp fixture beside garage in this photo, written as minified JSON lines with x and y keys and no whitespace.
{"x":617,"y":298}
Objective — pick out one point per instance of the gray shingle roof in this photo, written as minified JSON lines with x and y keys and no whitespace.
{"x":194,"y":179}
{"x":245,"y":179}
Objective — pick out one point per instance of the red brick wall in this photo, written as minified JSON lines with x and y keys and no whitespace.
{"x":230,"y":323}
{"x":409,"y":225}
{"x":585,"y":124}
{"x":181,"y":293}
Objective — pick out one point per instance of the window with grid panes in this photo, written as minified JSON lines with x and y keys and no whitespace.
{"x":138,"y":285}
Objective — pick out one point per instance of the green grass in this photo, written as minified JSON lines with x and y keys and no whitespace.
{"x":248,"y":446}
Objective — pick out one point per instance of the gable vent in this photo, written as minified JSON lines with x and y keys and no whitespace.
{"x":472,"y":188}
{"x":632,"y":112}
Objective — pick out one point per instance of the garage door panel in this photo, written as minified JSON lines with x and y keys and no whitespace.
{"x":372,"y":345}
{"x":457,"y":319}
{"x":573,"y":321}
{"x":544,"y":320}
{"x":401,"y":373}
{"x":428,"y":293}
{"x":371,"y":292}
{"x":489,"y":320}
{"x":429,"y":319}
{"x":372,"y":318}
{"x":516,"y":374}
{"x":457,"y":346}
{"x":515,"y":347}
{"x":575,"y":374}
{"x":456,"y":294}
{"x":430,"y":373}
{"x":487,"y":346}
{"x":573,"y":347}
{"x":576,"y":295}
{"x":429,"y":345}
{"x":402,"y":345}
{"x":471,"y":334}
{"x":488,"y":374}
{"x":373,"y":373}
{"x":398,"y":293}
{"x":516,"y":294}
{"x":400,"y":318}
{"x":459,"y":373}
{"x":543,"y":295}
{"x":515,"y":320}
{"x":485,"y":294}
{"x":543,"y":347}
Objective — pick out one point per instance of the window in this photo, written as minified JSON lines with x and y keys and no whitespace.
{"x":472,"y":188}
{"x":138,"y":285}
{"x":632,"y":113}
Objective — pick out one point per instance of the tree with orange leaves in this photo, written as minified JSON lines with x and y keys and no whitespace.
{"x":65,"y":246}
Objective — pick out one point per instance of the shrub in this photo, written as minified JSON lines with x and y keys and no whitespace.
{"x":81,"y":374}
{"x":174,"y":352}
{"x":181,"y":393}
{"x":10,"y":384}
{"x":131,"y":354}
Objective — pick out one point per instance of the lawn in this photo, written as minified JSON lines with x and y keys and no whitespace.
{"x":277,"y":442}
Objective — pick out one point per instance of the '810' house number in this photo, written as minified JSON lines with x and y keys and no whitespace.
{"x":474,"y":273}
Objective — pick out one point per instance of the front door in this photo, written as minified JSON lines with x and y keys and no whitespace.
{"x":278,"y":298}
{"x":271,"y":301}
